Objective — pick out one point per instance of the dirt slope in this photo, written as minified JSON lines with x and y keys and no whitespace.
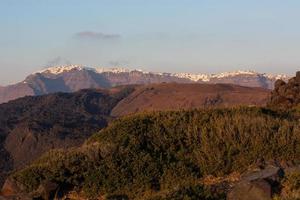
{"x":172,"y":96}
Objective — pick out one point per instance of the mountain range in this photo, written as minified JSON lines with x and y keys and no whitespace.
{"x":73,"y":78}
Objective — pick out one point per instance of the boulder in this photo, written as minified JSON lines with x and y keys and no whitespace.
{"x":257,"y":185}
{"x":272,"y":173}
{"x":279,"y":83}
{"x":117,"y":197}
{"x":5,"y":198}
{"x":15,"y":198}
{"x":46,"y":190}
{"x":298,"y":77}
{"x":286,"y":95}
{"x":251,"y":190}
{"x":10,"y":188}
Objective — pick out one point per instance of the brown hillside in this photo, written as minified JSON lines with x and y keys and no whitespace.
{"x":173,"y":96}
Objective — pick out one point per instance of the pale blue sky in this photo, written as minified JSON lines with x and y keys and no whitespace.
{"x":205,"y":36}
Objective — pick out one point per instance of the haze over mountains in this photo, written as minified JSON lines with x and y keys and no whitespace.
{"x":73,"y":78}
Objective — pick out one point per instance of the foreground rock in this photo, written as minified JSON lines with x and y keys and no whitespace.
{"x":286,"y":95}
{"x":11,"y":191}
{"x":259,"y":185}
{"x":255,"y":190}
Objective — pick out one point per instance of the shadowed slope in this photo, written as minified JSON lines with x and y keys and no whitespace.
{"x":31,"y":126}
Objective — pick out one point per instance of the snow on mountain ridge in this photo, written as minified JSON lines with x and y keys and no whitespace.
{"x":66,"y":68}
{"x":61,"y":69}
{"x":193,"y":77}
{"x":234,"y":73}
{"x":56,"y":70}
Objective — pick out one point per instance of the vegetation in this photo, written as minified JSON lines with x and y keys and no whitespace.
{"x":31,"y":126}
{"x":163,"y":155}
{"x":290,"y":187}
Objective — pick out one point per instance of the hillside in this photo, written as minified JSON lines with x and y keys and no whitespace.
{"x":31,"y":126}
{"x":73,"y":78}
{"x":172,"y":96}
{"x":165,"y":155}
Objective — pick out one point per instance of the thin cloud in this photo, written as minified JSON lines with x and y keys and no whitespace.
{"x":57,"y":61}
{"x":96,"y":35}
{"x":116,"y":63}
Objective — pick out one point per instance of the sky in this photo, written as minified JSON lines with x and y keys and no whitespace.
{"x":198,"y":36}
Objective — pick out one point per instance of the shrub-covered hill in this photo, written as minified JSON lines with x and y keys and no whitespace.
{"x":164,"y":155}
{"x":31,"y":126}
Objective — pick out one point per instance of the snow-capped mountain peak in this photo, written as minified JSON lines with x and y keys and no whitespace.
{"x":208,"y":77}
{"x":61,"y":69}
{"x":234,"y":73}
{"x":112,"y":70}
{"x":70,"y":78}
{"x":56,"y":70}
{"x":194,"y":77}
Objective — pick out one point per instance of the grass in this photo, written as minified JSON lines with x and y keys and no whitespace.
{"x":144,"y":154}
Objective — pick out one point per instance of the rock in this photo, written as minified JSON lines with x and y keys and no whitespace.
{"x":286,"y":95}
{"x":117,"y":197}
{"x":251,"y":190}
{"x":15,"y":198}
{"x":4,"y":198}
{"x":10,"y":188}
{"x":257,"y":185}
{"x":279,"y":83}
{"x":292,"y":81}
{"x":298,"y":76}
{"x":46,"y":190}
{"x":270,"y":172}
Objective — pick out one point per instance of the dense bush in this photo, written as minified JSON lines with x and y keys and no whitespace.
{"x":194,"y":192}
{"x":290,"y":189}
{"x":144,"y":154}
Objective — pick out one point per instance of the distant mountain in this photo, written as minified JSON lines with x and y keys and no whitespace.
{"x":73,"y":78}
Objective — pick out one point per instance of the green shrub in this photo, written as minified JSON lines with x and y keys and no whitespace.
{"x":194,"y":192}
{"x":162,"y":150}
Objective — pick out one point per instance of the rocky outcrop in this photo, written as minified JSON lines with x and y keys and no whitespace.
{"x":286,"y":95}
{"x":251,"y":190}
{"x":46,"y":191}
{"x":257,"y":185}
